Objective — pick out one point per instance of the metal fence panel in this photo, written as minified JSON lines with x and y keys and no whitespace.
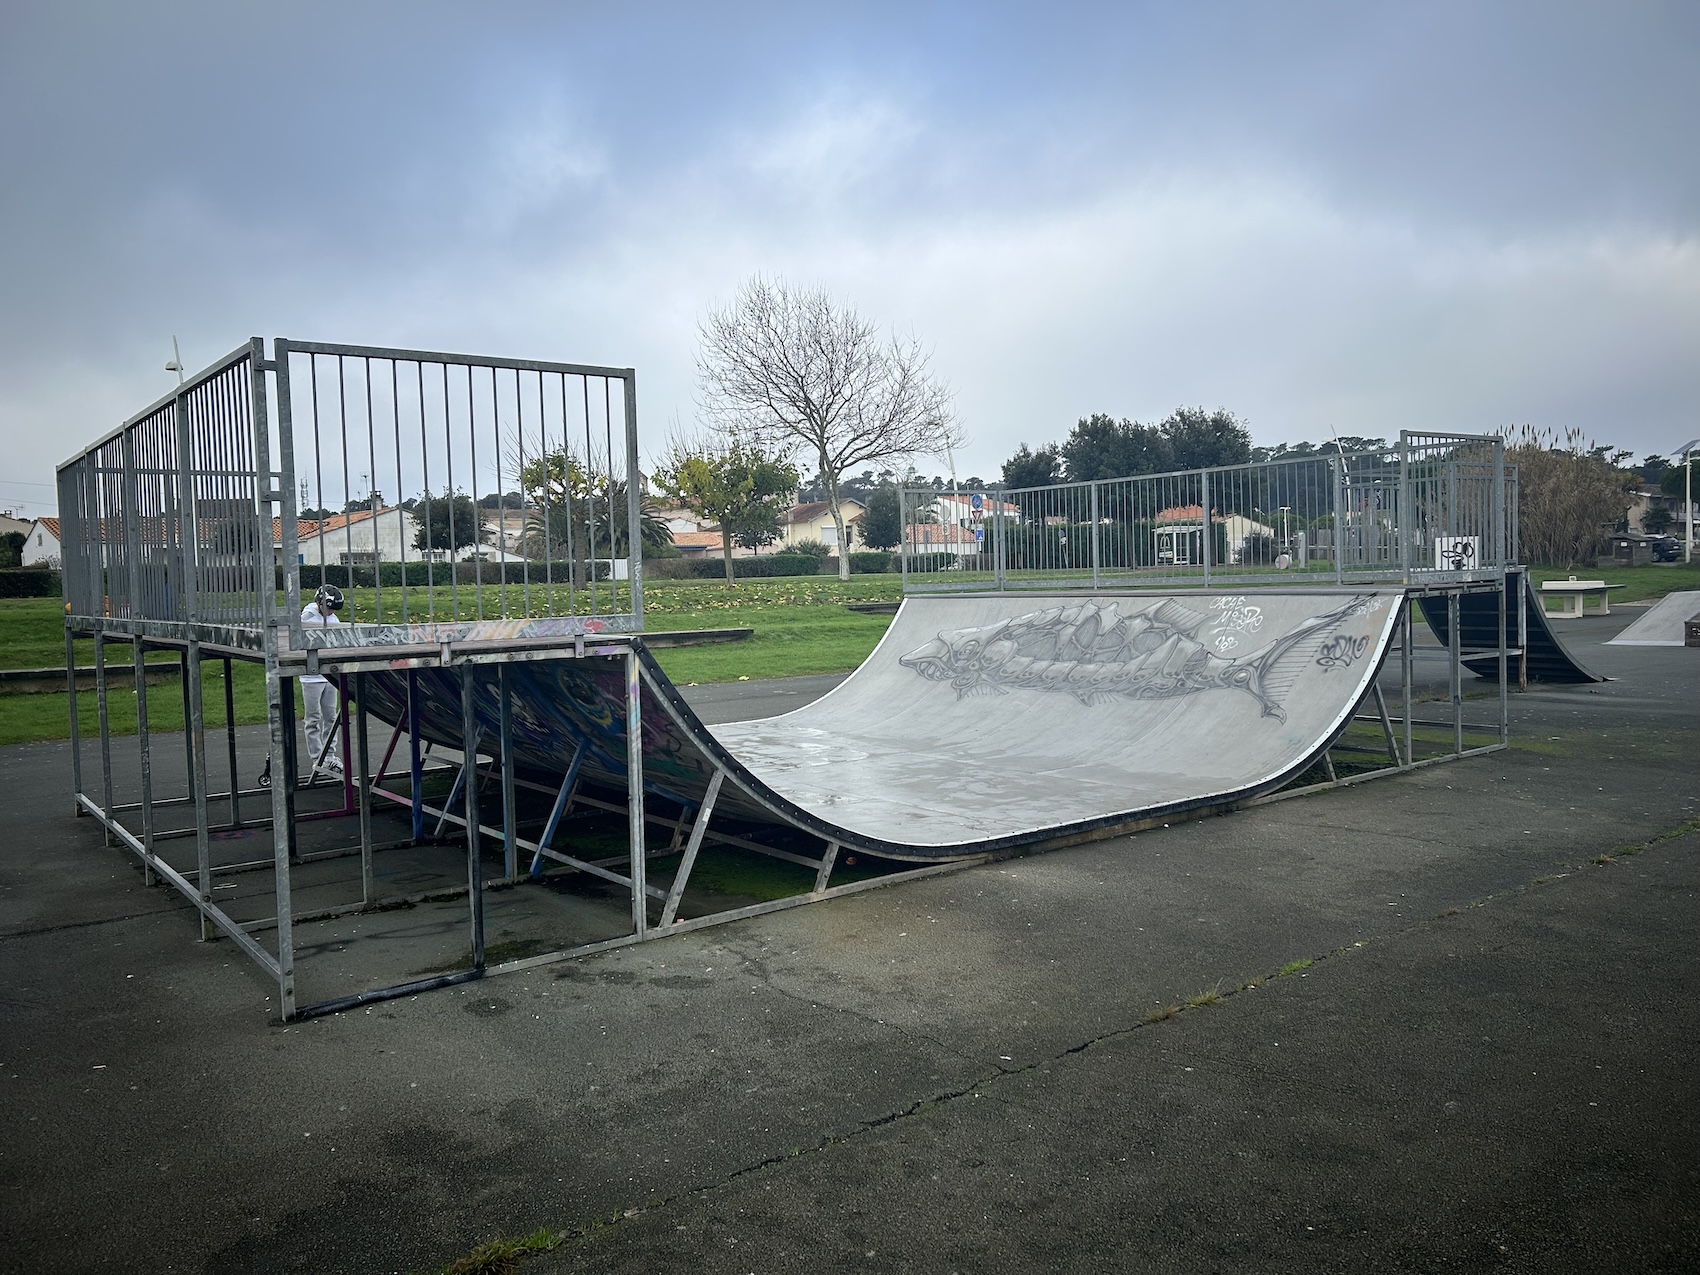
{"x":1433,"y":507}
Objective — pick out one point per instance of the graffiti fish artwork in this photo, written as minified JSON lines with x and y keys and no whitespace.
{"x":1095,"y":652}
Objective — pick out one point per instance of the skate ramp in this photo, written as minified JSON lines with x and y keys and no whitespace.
{"x":1549,"y":660}
{"x":1662,"y":625}
{"x":979,"y":723}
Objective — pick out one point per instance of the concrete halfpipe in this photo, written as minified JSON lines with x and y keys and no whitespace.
{"x":979,"y":722}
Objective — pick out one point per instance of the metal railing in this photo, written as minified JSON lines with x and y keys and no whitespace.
{"x":1437,"y":508}
{"x":210,"y":509}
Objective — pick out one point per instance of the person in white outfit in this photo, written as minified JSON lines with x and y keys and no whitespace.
{"x":318,"y":696}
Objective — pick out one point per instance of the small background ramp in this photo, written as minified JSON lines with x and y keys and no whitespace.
{"x":1662,"y":625}
{"x":1478,"y":640}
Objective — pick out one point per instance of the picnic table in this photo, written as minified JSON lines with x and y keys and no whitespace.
{"x":1574,"y":594}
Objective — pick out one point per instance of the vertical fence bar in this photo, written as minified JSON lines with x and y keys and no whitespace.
{"x":634,"y":796}
{"x":1455,"y":681}
{"x":474,"y":861}
{"x":76,"y":734}
{"x":105,"y":730}
{"x":195,"y":727}
{"x":279,"y":699}
{"x":144,"y":746}
{"x":634,"y":507}
{"x":1096,"y":529}
{"x":510,"y":816}
{"x":363,"y":762}
{"x":230,"y":745}
{"x":1207,"y":535}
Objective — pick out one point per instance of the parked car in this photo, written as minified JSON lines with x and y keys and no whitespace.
{"x":1666,"y":549}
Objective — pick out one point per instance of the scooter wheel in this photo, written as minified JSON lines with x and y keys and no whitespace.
{"x":265,"y":780}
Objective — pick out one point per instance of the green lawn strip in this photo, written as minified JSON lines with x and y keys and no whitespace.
{"x":28,"y":718}
{"x":1640,"y":583}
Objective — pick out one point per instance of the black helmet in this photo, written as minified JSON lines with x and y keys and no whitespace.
{"x":328,"y":598}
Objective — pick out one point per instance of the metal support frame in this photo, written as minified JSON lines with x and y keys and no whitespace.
{"x":156,"y":556}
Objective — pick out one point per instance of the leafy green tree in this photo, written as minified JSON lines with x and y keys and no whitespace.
{"x":1100,"y":446}
{"x":448,"y":521}
{"x":1028,"y":468}
{"x":1202,"y":440}
{"x":882,"y":524}
{"x":732,"y":481}
{"x":1672,"y":479}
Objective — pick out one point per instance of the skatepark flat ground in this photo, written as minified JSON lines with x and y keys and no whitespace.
{"x":1487,"y":1065}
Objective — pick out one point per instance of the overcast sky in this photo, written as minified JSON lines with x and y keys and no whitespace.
{"x":1323,"y":216}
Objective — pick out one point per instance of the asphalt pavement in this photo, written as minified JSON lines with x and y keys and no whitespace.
{"x":1441,"y":1022}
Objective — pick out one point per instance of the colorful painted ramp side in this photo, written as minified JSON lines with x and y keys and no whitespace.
{"x":979,"y":723}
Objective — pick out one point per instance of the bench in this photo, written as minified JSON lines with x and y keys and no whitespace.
{"x":1574,"y":594}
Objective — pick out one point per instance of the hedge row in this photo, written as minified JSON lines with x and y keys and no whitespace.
{"x":394,"y":574}
{"x":29,"y":582}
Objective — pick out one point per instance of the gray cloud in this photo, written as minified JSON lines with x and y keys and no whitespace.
{"x":1370,"y":217}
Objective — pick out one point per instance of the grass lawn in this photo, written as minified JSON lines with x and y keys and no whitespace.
{"x":1639,"y":583}
{"x":800,"y":627}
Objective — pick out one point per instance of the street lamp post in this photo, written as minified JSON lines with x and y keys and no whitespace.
{"x":176,"y":364}
{"x":1686,"y":451}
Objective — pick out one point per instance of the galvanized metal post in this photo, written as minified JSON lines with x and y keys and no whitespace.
{"x":196,"y":730}
{"x":230,"y":746}
{"x":1455,"y":681}
{"x":415,"y":761}
{"x":363,"y":763}
{"x":144,"y":743}
{"x":474,"y":863}
{"x":634,"y":514}
{"x":634,"y":796}
{"x":1339,"y":537}
{"x":1205,"y":537}
{"x":903,"y":535}
{"x":998,"y":537}
{"x":76,"y":731}
{"x":1095,"y":534}
{"x":1407,"y":532}
{"x":279,"y":720}
{"x":510,"y":830}
{"x":1523,"y":630}
{"x":289,"y":548}
{"x":105,"y":731}
{"x":1504,"y":670}
{"x":1405,"y":688}
{"x":188,"y":717}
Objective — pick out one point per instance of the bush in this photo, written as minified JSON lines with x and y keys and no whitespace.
{"x":29,"y":582}
{"x":871,"y":563}
{"x":809,"y":548}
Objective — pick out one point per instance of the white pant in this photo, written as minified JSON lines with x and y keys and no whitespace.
{"x":319,"y":720}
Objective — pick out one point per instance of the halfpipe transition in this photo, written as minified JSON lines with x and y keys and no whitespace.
{"x":1547,"y":658}
{"x":979,"y":723}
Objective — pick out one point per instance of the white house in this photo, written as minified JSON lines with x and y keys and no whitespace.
{"x":364,"y":536}
{"x":41,"y":544}
{"x":813,"y":521}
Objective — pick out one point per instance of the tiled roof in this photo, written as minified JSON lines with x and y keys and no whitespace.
{"x":696,"y":540}
{"x":52,"y":525}
{"x":820,"y":508}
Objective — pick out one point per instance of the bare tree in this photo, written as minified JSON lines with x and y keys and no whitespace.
{"x":794,"y":370}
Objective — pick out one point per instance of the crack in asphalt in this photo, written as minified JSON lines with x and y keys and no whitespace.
{"x":945,"y":1097}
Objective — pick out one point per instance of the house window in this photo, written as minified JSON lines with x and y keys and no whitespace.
{"x":829,"y":534}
